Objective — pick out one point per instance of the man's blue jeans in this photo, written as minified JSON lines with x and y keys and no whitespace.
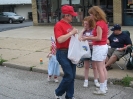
{"x":69,"y":69}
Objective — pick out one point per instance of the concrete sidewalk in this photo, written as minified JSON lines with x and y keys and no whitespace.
{"x":24,"y":47}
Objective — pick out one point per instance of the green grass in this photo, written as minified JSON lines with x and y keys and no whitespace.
{"x":2,"y":60}
{"x":125,"y":81}
{"x":31,"y":68}
{"x":38,"y":51}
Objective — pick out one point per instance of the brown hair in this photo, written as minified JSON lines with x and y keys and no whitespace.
{"x":90,"y":21}
{"x":98,"y":13}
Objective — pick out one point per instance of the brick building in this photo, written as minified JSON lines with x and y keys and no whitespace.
{"x":46,"y":12}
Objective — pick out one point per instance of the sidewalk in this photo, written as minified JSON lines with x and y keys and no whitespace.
{"x":24,"y":47}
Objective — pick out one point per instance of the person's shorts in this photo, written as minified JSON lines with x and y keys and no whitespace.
{"x":99,"y":52}
{"x":113,"y":51}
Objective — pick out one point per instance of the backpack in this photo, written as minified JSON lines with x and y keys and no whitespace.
{"x":129,"y":65}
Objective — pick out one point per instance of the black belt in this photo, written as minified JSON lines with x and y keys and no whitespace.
{"x":62,"y":49}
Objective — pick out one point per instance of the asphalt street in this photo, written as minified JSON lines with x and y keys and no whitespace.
{"x":20,"y":84}
{"x":7,"y":26}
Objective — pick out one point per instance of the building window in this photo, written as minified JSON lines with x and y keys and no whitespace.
{"x":42,"y":11}
{"x":49,"y":11}
{"x":107,"y":6}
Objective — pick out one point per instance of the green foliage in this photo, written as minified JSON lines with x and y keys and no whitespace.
{"x":126,"y":81}
{"x":2,"y":60}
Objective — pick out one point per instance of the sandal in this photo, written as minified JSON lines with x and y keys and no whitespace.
{"x":109,"y":68}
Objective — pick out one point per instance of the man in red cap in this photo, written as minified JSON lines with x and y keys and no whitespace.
{"x":63,"y":32}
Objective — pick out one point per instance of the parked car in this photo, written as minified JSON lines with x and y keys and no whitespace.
{"x":10,"y":17}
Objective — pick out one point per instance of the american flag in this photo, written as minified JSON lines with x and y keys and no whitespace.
{"x":53,"y":46}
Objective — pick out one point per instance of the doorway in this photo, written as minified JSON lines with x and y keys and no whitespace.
{"x":128,"y":12}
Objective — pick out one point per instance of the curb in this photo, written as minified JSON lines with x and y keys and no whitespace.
{"x":34,"y":69}
{"x":16,"y":66}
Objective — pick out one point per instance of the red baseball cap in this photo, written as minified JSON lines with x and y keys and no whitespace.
{"x":66,"y":9}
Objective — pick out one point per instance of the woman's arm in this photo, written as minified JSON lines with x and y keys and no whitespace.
{"x":95,"y":38}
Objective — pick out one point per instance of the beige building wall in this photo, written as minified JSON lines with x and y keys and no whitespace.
{"x":117,"y":12}
{"x":34,"y":12}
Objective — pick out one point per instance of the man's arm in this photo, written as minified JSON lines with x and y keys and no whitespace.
{"x":124,"y":48}
{"x":108,"y":42}
{"x":63,"y":38}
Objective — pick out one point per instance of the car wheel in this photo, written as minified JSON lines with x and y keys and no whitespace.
{"x":10,"y":21}
{"x":21,"y":21}
{"x":80,"y":64}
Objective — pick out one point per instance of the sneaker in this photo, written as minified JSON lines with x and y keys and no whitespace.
{"x":56,"y":80}
{"x":49,"y":79}
{"x":57,"y":97}
{"x":85,"y":84}
{"x":97,"y":84}
{"x":106,"y":89}
{"x":99,"y":92}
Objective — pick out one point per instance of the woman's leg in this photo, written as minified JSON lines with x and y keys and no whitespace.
{"x":96,"y":75}
{"x":86,"y":69}
{"x":86,"y":72}
{"x":100,"y":67}
{"x":94,"y":67}
{"x":106,"y":74}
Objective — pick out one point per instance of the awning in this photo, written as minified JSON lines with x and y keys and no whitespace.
{"x":14,"y":2}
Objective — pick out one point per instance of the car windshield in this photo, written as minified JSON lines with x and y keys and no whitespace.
{"x":10,"y":13}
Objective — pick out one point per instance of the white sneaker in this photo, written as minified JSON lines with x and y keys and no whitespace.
{"x":85,"y":84}
{"x":97,"y":84}
{"x":56,"y":80}
{"x":57,"y":97}
{"x":106,"y":89}
{"x":99,"y":92}
{"x":49,"y":79}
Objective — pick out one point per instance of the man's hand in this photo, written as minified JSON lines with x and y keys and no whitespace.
{"x":120,"y":49}
{"x":84,"y":38}
{"x":74,"y":31}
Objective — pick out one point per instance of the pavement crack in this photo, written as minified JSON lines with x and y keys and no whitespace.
{"x":113,"y":97}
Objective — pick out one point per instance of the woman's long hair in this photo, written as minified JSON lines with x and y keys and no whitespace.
{"x":98,"y":13}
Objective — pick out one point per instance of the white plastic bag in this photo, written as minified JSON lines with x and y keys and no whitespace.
{"x":78,"y":49}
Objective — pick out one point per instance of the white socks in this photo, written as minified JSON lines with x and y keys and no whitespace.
{"x":105,"y":83}
{"x":102,"y":87}
{"x":86,"y":80}
{"x":95,"y":80}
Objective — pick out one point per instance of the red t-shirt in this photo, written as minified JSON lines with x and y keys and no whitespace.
{"x":104,"y":28}
{"x":62,"y":28}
